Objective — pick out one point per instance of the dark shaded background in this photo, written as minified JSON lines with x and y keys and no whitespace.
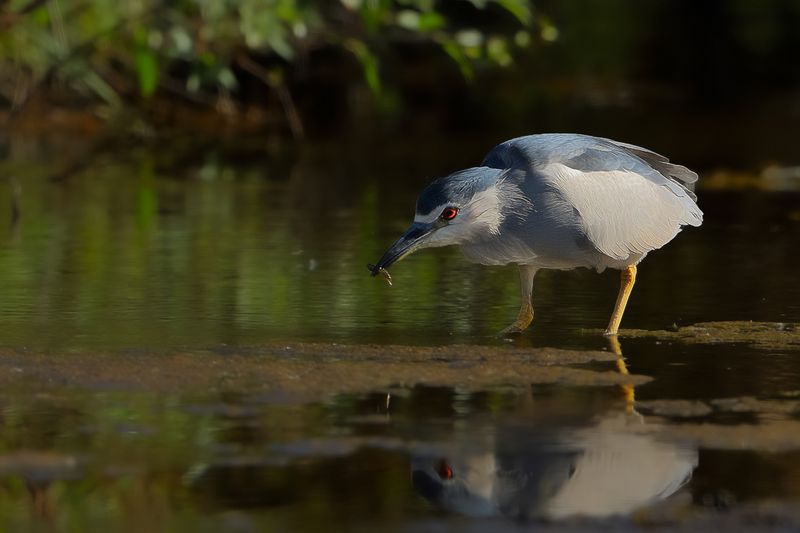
{"x":715,"y":83}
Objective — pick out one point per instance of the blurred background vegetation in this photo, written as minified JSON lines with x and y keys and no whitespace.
{"x":251,"y":59}
{"x":302,"y":69}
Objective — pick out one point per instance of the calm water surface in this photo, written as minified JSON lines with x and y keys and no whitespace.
{"x":131,"y":255}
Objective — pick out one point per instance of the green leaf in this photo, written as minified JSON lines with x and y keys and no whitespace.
{"x":369,"y":64}
{"x":497,"y":50}
{"x":408,"y":19}
{"x":193,"y":82}
{"x":102,"y":89}
{"x":181,"y":41}
{"x":372,"y":15}
{"x":431,"y":21}
{"x":456,"y":53}
{"x":281,"y":46}
{"x":41,"y":16}
{"x":549,"y":33}
{"x":470,"y":38}
{"x":146,"y":71}
{"x":521,"y":10}
{"x":226,"y":78}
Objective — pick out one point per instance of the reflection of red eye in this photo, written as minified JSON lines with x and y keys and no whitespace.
{"x":449,"y":213}
{"x":444,"y":470}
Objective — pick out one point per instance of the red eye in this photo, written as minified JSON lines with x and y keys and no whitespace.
{"x":449,"y":213}
{"x":444,"y":470}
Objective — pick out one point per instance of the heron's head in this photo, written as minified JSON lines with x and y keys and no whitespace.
{"x":457,"y":209}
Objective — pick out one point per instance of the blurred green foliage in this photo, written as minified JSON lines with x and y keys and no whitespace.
{"x":331,"y":65}
{"x":200,"y":50}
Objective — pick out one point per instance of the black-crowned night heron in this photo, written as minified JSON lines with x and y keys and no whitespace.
{"x":613,"y":467}
{"x":558,"y":201}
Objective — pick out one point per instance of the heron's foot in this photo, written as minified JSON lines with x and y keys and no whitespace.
{"x":520,"y":324}
{"x":512,"y":330}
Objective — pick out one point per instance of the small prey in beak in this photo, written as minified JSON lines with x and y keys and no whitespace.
{"x":411,"y":240}
{"x":375,"y":269}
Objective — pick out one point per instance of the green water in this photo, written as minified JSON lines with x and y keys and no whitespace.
{"x":129,"y":254}
{"x":222,"y":255}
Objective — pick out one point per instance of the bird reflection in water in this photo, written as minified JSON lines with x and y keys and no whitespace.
{"x":610,"y":466}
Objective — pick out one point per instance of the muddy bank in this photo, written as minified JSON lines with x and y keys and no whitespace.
{"x":312,"y":371}
{"x":767,"y":335}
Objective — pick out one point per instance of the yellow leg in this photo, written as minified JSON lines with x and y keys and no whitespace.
{"x":627,"y":279}
{"x":525,"y":315}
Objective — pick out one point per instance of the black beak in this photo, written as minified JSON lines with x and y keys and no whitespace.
{"x":406,"y":244}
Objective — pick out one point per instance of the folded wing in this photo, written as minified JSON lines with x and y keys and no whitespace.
{"x":630,"y":200}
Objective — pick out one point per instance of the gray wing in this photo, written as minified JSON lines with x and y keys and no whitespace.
{"x":629,"y":200}
{"x":675,"y":172}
